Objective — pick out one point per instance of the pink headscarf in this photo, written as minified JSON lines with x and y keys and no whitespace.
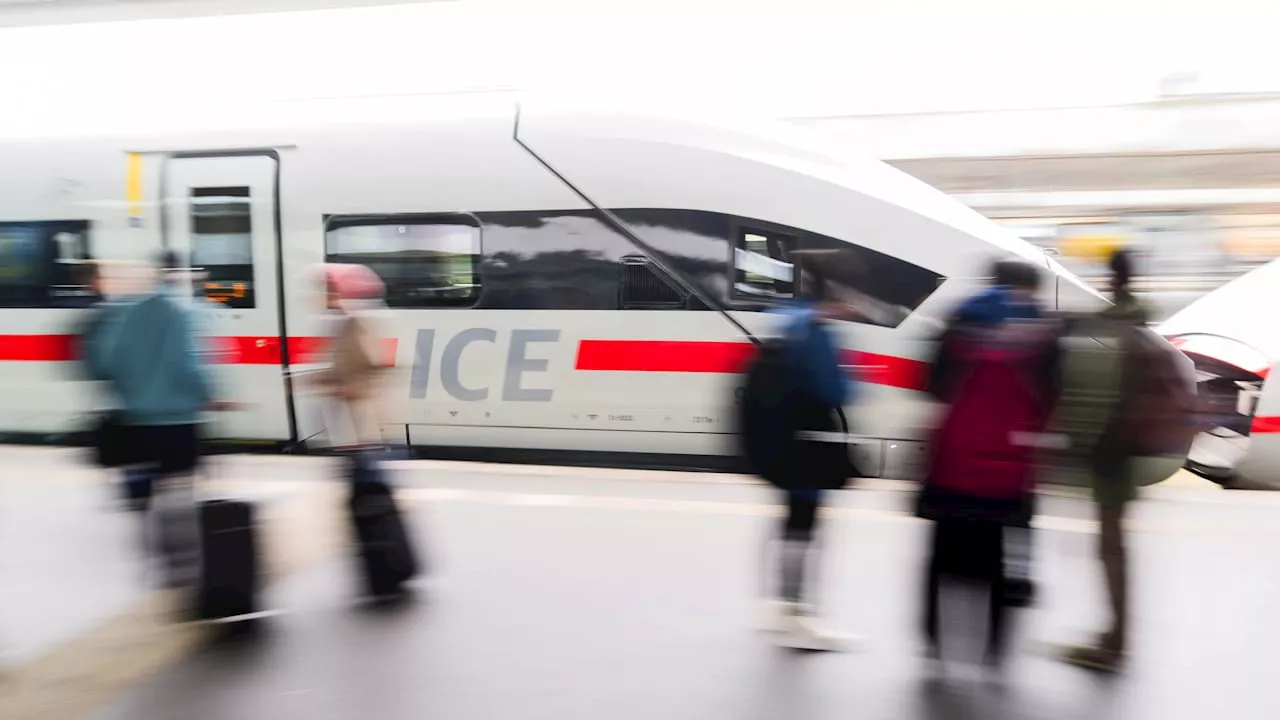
{"x":354,"y":282}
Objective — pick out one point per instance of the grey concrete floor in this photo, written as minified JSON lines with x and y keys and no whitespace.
{"x":66,"y":563}
{"x":581,"y":594}
{"x":70,"y":559}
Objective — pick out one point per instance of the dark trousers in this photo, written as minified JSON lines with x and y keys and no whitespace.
{"x":797,"y":540}
{"x":802,"y":515}
{"x":170,"y":450}
{"x":974,"y":550}
{"x":1111,"y":548}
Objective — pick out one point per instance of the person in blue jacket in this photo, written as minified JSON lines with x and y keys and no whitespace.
{"x":148,"y":350}
{"x":814,"y":356}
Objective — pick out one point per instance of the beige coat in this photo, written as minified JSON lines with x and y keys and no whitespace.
{"x":357,"y":377}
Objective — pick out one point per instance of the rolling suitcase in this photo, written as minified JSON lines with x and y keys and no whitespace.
{"x":386,"y":551}
{"x":207,"y":548}
{"x":229,"y":576}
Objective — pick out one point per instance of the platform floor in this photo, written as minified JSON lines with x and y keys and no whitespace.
{"x":567,"y":593}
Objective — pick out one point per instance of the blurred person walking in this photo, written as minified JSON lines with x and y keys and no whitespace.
{"x":355,"y":381}
{"x":996,"y":371}
{"x":1142,"y":402}
{"x":147,"y":349}
{"x":797,"y":385}
{"x":356,"y":369}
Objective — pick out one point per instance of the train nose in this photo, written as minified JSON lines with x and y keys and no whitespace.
{"x":1230,"y":377}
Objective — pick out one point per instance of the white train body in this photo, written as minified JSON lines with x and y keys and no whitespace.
{"x":521,"y":320}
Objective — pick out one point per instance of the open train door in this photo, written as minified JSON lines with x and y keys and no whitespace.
{"x":221,"y":211}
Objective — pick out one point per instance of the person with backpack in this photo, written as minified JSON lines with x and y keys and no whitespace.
{"x":797,"y":387}
{"x":1144,"y":400}
{"x":996,"y":373}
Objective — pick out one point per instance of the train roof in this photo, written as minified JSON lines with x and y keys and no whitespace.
{"x":275,"y":122}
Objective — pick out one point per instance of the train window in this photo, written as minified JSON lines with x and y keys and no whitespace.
{"x":884,"y":288}
{"x":222,"y":243}
{"x":42,"y":264}
{"x":644,"y":287}
{"x":424,"y":261}
{"x":762,"y":267}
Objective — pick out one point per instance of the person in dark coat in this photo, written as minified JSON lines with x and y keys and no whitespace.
{"x":996,"y":371}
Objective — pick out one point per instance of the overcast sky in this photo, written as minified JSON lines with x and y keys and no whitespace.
{"x":782,"y":59}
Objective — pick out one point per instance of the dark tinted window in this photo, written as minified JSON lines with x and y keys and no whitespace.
{"x":573,"y":260}
{"x":222,"y":243}
{"x":693,"y":243}
{"x":43,"y":264}
{"x":747,"y":263}
{"x":554,"y":260}
{"x":885,"y":289}
{"x":425,"y":261}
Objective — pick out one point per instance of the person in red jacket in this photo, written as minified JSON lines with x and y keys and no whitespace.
{"x":996,"y":372}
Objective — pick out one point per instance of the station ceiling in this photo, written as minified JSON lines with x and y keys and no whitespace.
{"x":1129,"y":171}
{"x":15,"y":13}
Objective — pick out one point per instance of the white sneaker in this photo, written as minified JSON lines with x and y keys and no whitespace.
{"x":777,"y":614}
{"x":801,"y":631}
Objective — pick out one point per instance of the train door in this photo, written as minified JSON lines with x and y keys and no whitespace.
{"x":221,"y":211}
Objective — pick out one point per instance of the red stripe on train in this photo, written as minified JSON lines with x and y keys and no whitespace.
{"x":1265,"y":424}
{"x":231,"y":350}
{"x":266,"y":350}
{"x":610,"y":355}
{"x":687,"y":356}
{"x":897,"y":372}
{"x":37,"y":348}
{"x":694,"y":356}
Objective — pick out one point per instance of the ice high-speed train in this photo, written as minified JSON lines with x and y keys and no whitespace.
{"x":559,"y":281}
{"x":1236,"y":349}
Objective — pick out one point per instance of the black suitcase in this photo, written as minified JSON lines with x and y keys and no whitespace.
{"x":229,"y":576}
{"x":386,"y":550}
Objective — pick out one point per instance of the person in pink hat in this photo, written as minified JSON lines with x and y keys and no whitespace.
{"x":356,"y":364}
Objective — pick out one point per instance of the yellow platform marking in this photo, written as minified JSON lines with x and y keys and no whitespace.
{"x":80,"y":675}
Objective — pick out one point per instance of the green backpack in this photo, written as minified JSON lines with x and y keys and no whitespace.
{"x":1092,"y":367}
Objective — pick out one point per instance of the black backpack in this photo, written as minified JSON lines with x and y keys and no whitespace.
{"x":765,"y":399}
{"x":774,"y":411}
